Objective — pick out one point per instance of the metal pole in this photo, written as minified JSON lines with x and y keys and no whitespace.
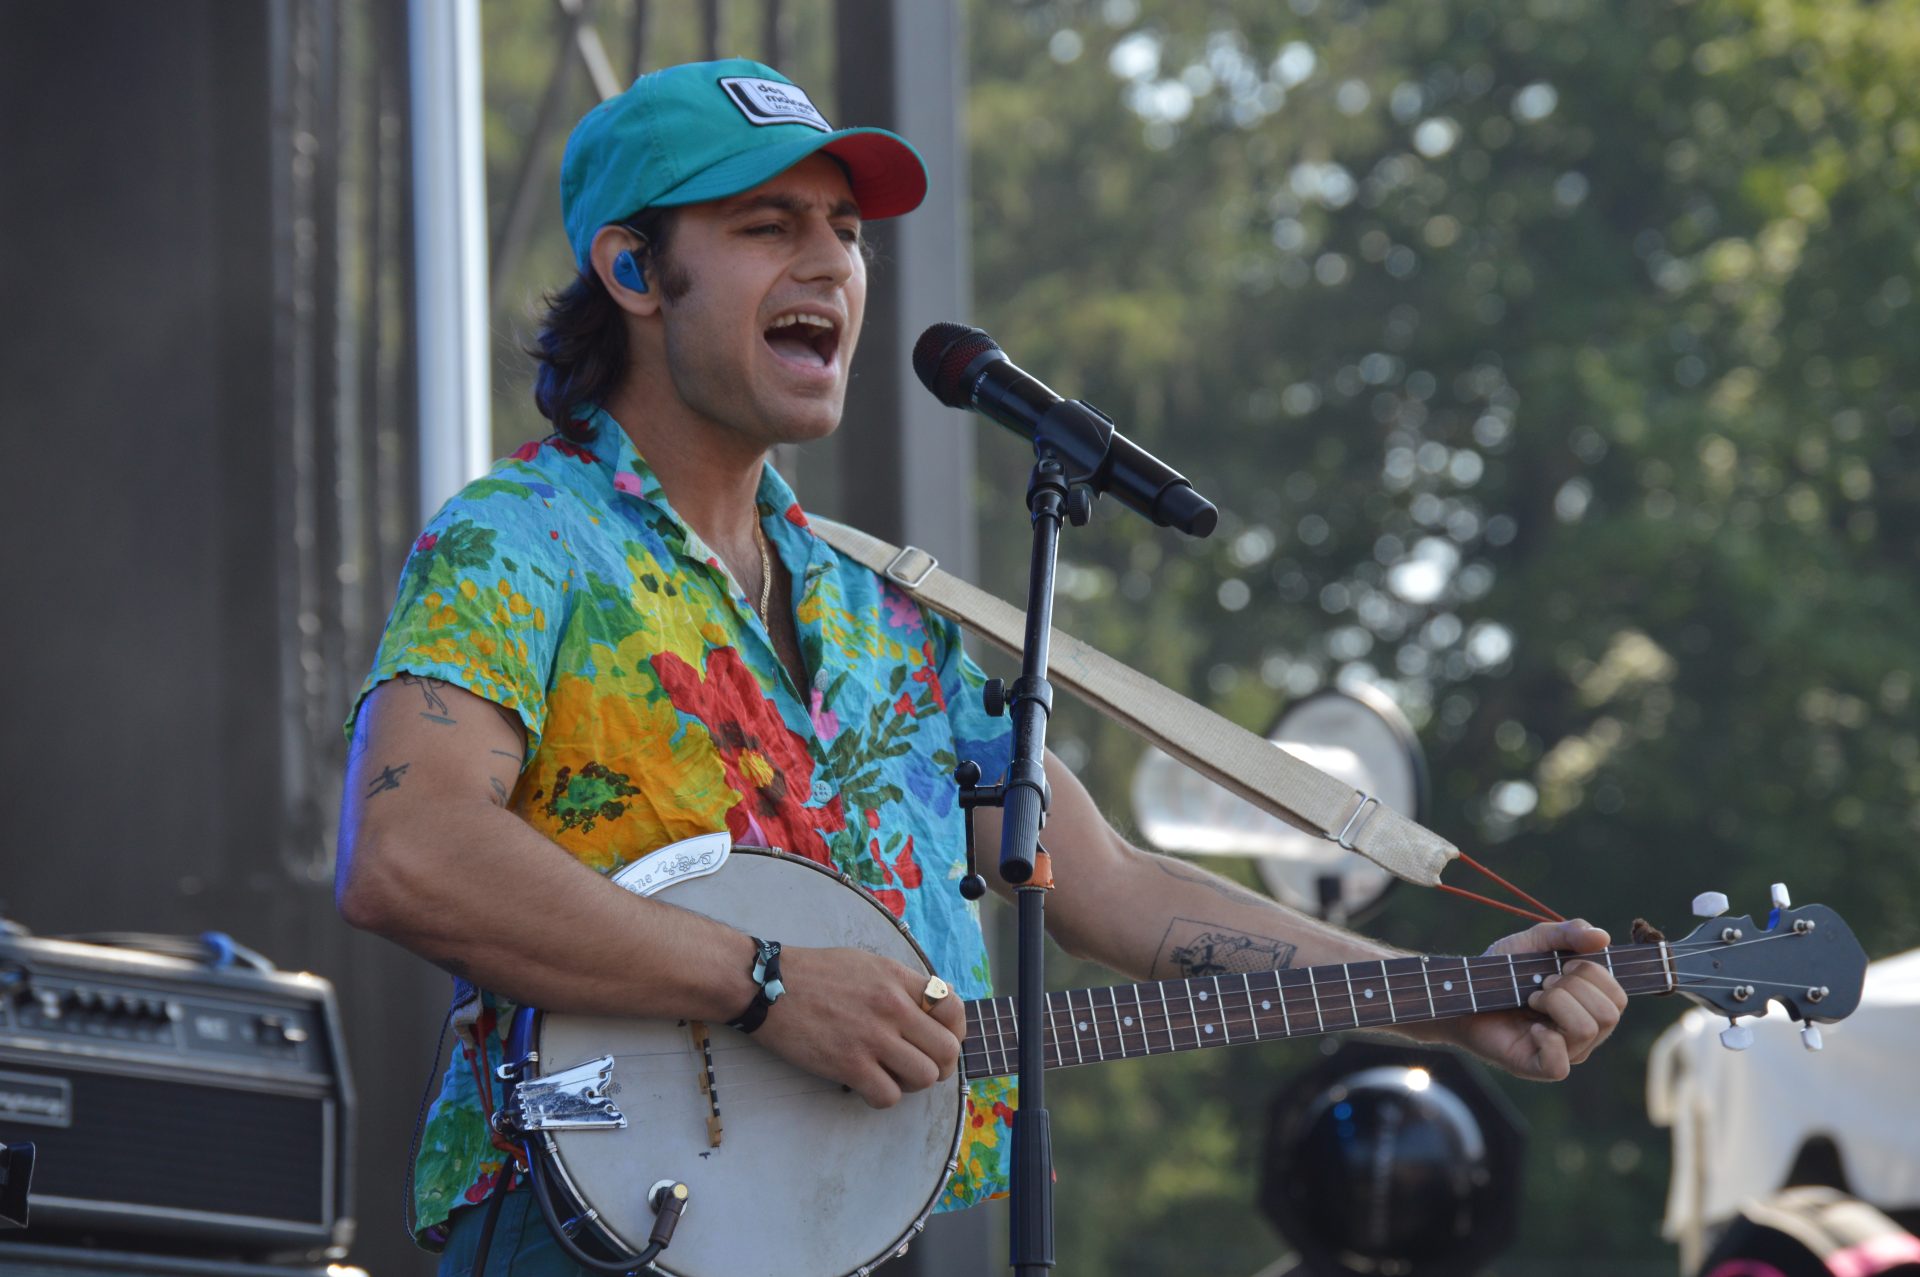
{"x":450,"y":246}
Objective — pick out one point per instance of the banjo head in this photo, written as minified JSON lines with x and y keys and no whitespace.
{"x":806,"y":1180}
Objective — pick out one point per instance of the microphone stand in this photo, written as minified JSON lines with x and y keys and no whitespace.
{"x":1052,"y":498}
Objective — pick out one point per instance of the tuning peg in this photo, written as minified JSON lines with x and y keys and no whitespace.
{"x":1781,"y":900}
{"x":1710,"y":904}
{"x":1736,"y":1037}
{"x":1810,"y":1036}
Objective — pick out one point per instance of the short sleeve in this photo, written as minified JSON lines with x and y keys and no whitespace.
{"x":976,"y":737}
{"x":480,"y":605}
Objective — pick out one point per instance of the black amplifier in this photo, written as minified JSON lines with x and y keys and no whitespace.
{"x":202,"y":1107}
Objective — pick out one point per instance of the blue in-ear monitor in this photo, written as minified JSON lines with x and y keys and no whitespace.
{"x":627,"y":271}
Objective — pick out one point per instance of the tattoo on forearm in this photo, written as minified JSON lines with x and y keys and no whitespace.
{"x":1193,"y":948}
{"x":499,"y":790}
{"x":389,"y":778}
{"x":1219,"y":886}
{"x":505,"y":753}
{"x":436,"y":710}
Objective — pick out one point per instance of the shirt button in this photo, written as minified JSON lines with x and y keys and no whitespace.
{"x":822,"y":791}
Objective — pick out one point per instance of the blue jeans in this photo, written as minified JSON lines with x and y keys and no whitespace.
{"x":522,"y":1244}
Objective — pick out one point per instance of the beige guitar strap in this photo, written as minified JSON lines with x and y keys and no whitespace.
{"x":1269,"y":778}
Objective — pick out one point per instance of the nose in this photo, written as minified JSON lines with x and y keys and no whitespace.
{"x":823,"y":255}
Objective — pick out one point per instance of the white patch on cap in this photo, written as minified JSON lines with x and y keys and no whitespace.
{"x":771,"y":102}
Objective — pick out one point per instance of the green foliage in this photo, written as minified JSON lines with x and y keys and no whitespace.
{"x":1553,"y":365}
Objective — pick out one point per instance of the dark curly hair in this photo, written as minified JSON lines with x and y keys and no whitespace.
{"x":582,"y":343}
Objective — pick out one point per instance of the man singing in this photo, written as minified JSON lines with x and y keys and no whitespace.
{"x":626,"y":634}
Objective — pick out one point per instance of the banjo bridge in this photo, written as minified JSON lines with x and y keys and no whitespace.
{"x":704,"y":1045}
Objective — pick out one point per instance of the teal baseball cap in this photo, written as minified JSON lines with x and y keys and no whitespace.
{"x":710,"y":130}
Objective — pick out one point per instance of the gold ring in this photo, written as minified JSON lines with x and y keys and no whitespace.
{"x":936,"y":990}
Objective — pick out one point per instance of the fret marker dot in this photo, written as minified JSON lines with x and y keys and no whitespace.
{"x":1266,"y":1006}
{"x":1447,"y":985}
{"x":1203,"y":997}
{"x":1082,"y":1026}
{"x":1536,"y":979}
{"x":1368,"y":992}
{"x":1209,"y":1028}
{"x":1127,"y":1020}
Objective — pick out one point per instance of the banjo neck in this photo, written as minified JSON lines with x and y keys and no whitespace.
{"x":1124,"y":1022}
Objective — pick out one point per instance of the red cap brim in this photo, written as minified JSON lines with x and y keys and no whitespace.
{"x":886,"y":174}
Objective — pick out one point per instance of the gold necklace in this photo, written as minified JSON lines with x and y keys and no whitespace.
{"x":766,"y":569}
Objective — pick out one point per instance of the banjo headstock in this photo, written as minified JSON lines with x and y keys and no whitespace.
{"x":1806,"y":959}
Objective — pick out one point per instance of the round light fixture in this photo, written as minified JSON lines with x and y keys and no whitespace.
{"x":1354,"y":733}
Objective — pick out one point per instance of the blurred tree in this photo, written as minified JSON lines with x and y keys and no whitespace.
{"x":1552,"y":364}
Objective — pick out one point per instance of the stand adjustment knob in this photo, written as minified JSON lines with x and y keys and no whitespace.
{"x":994,"y":697}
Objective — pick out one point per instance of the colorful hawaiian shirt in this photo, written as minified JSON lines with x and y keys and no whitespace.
{"x":563,"y":587}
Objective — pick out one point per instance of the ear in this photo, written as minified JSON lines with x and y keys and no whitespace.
{"x":608,"y":244}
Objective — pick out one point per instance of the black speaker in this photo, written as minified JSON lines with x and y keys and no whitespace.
{"x":203,"y":1108}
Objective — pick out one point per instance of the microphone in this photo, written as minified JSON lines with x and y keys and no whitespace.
{"x":964,"y":368}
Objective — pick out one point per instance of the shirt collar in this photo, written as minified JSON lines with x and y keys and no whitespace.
{"x":630,"y":475}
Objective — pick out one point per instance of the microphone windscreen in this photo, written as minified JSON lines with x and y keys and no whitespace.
{"x":942,"y":355}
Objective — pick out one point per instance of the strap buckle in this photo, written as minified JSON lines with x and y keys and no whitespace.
{"x":903,"y":563}
{"x":1356,"y":825}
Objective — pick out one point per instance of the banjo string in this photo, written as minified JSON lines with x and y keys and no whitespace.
{"x":1185,"y":1016}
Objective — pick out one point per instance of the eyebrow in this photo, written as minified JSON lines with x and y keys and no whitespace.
{"x":792,"y":204}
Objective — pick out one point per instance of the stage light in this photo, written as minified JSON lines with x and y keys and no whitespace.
{"x":1356,"y":734}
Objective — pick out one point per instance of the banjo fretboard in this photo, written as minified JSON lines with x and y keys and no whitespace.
{"x":1119,"y":1022}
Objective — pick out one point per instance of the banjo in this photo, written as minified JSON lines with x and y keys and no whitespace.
{"x":784,"y":1174}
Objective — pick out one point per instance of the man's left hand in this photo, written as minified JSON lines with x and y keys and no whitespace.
{"x":1565,"y":1019}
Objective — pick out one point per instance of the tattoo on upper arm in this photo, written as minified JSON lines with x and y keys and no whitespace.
{"x":437,"y":710}
{"x":389,"y":778}
{"x":506,"y":753}
{"x":1193,"y":948}
{"x":1219,"y":886}
{"x":499,"y":790}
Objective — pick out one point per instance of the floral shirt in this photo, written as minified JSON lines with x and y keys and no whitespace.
{"x":563,"y":587}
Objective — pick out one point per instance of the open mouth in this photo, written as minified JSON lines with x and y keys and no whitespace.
{"x":804,"y":338}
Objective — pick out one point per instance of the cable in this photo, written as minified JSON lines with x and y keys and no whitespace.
{"x":668,"y":1205}
{"x":214,"y":948}
{"x":501,"y":1188}
{"x":419,"y":1126}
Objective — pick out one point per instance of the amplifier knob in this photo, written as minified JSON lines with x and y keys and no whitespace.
{"x":275,"y":1031}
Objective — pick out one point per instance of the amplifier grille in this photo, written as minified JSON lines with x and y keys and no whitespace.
{"x":184,"y":1146}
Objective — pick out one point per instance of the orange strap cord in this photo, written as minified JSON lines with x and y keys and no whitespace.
{"x":1539,"y":912}
{"x":1042,"y":871}
{"x":482,"y":1079}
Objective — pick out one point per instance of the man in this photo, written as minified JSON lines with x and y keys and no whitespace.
{"x":626,"y":635}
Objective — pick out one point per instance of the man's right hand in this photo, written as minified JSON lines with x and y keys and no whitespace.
{"x":854,"y":1017}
